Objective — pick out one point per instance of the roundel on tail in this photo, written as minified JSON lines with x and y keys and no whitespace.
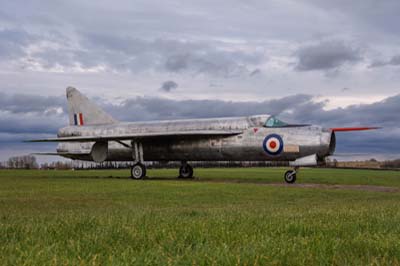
{"x":273,"y":144}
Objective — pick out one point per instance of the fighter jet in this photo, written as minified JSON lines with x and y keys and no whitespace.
{"x":94,"y":135}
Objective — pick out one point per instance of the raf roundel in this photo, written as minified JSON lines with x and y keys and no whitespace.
{"x":273,"y":144}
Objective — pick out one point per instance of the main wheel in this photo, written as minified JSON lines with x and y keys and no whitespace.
{"x":290,"y":176}
{"x":186,"y":171}
{"x":138,"y":171}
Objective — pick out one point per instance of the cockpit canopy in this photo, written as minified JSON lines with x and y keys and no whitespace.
{"x":272,"y":121}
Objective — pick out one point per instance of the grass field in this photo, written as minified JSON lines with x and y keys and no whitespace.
{"x":104,"y":218}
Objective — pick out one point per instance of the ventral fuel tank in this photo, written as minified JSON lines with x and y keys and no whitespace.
{"x":99,"y":152}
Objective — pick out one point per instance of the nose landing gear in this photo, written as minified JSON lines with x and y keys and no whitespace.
{"x":290,"y":175}
{"x":185,"y":171}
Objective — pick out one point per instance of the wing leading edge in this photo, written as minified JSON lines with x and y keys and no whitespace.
{"x":345,"y":129}
{"x":203,"y":133}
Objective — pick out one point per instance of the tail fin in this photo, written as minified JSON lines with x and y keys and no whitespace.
{"x":83,"y":112}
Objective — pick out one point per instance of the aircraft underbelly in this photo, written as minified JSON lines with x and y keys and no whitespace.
{"x":200,"y":150}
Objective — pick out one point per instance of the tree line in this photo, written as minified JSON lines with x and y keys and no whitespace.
{"x":30,"y":162}
{"x":20,"y":162}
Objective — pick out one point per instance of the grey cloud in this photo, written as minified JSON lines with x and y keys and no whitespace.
{"x":370,"y":15}
{"x":211,"y":61}
{"x":394,"y":61}
{"x":23,"y":113}
{"x":13,"y":42}
{"x":23,"y":103}
{"x":168,"y":85}
{"x":383,"y":113}
{"x":142,"y":108}
{"x":136,"y":55}
{"x":125,"y":53}
{"x":326,"y":55}
{"x":177,"y":63}
{"x":38,"y":123}
{"x":255,"y":72}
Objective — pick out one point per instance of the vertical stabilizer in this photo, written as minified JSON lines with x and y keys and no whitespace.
{"x":83,"y":112}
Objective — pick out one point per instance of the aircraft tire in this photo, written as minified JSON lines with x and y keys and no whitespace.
{"x":138,"y":171}
{"x":290,"y":176}
{"x":186,"y":171}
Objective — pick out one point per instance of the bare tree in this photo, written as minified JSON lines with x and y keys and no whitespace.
{"x":22,"y":162}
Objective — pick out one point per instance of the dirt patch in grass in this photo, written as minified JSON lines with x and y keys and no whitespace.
{"x":296,"y":185}
{"x":351,"y":187}
{"x":308,"y":185}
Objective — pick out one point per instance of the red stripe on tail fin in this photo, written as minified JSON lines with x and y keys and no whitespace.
{"x":81,"y":119}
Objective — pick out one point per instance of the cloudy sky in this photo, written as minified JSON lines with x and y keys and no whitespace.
{"x":335,"y":63}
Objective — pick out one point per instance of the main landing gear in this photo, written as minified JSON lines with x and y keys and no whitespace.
{"x":138,"y":170}
{"x":185,"y":171}
{"x":290,"y":176}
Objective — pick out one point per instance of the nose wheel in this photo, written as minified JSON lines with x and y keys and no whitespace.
{"x":290,"y":176}
{"x":186,"y":171}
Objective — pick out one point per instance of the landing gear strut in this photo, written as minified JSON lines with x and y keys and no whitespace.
{"x":185,"y":171}
{"x":138,"y":170}
{"x":290,"y":176}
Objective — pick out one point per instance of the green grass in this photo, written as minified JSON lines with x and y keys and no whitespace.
{"x":88,"y":218}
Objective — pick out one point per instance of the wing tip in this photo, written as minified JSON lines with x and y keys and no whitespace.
{"x":46,"y":153}
{"x":35,"y":140}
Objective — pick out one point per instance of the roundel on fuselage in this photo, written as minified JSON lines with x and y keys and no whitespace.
{"x":273,"y":144}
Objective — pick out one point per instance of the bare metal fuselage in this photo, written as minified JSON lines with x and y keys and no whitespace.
{"x":298,"y":141}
